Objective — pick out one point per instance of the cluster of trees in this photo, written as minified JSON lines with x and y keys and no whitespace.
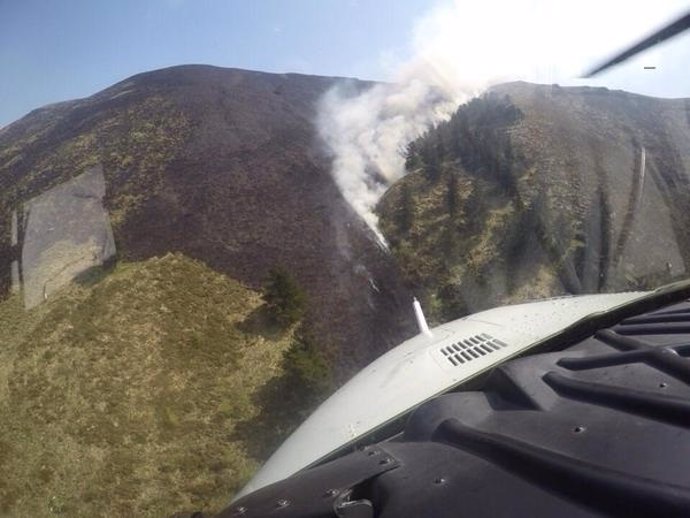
{"x":284,"y":298}
{"x":305,"y":366}
{"x":470,"y":159}
{"x":307,"y":371}
{"x":426,"y":153}
{"x":476,"y":137}
{"x":306,"y":379}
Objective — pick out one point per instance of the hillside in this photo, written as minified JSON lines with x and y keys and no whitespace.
{"x":222,"y":165}
{"x":134,"y":392}
{"x":140,"y":371}
{"x":534,"y":191}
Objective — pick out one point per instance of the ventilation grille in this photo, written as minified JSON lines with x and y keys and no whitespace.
{"x":472,"y":348}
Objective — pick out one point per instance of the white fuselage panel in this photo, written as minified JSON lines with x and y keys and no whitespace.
{"x":424,"y":367}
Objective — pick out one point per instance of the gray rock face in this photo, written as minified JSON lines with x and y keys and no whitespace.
{"x":66,"y":231}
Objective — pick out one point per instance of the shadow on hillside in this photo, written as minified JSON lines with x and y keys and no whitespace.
{"x":92,"y":276}
{"x":260,"y":322}
{"x":288,"y":399}
{"x":282,"y":410}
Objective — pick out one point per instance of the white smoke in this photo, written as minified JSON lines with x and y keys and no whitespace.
{"x":367,"y":134}
{"x":459,"y":49}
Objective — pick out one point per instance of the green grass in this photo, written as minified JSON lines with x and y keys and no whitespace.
{"x":123,"y":394}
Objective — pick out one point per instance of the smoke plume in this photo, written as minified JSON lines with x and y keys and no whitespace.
{"x":367,"y":134}
{"x":459,"y":49}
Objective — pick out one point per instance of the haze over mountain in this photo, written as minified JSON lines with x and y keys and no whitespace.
{"x":132,"y":221}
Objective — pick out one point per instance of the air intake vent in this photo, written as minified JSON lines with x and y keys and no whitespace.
{"x":472,"y":348}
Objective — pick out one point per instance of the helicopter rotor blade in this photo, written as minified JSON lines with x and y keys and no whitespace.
{"x":669,"y":31}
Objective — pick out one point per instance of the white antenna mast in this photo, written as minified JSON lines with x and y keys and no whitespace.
{"x":421,"y":321}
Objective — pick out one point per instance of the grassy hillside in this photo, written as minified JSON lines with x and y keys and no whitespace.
{"x":453,"y":222}
{"x":533,"y":191}
{"x":132,"y":392}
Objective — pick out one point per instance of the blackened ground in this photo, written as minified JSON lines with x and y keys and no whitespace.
{"x":226,"y":167}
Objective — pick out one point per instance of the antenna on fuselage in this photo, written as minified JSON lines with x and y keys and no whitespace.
{"x":421,"y":321}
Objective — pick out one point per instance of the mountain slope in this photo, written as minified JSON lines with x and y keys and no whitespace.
{"x":533,"y":191}
{"x":124,"y":394}
{"x":224,"y":166}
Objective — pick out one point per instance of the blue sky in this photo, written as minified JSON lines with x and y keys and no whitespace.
{"x":52,"y":51}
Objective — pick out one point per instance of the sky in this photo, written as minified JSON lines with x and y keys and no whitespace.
{"x":53,"y":51}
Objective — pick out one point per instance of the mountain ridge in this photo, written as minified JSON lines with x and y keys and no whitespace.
{"x":174,"y":144}
{"x":200,"y":181}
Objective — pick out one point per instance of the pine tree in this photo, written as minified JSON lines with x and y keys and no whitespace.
{"x":452,"y":195}
{"x":284,"y":298}
{"x":307,"y":368}
{"x":406,"y":209}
